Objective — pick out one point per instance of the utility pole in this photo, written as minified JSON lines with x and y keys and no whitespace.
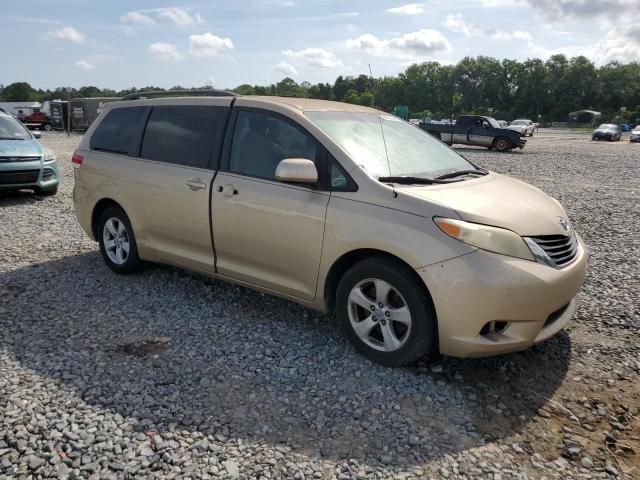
{"x":373,"y":83}
{"x":68,"y":111}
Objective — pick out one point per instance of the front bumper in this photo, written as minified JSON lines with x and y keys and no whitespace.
{"x":634,"y":138}
{"x":535,"y":301}
{"x":38,"y":175}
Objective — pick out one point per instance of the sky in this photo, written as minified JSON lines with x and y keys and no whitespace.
{"x":224,"y":43}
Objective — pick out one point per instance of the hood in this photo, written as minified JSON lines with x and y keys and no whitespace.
{"x":21,"y":148}
{"x":499,"y":201}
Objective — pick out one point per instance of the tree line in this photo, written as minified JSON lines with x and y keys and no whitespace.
{"x":506,"y":89}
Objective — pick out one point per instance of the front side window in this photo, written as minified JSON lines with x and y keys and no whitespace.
{"x":261,"y":140}
{"x":119,"y":130}
{"x":384,"y":145}
{"x":11,"y":129}
{"x":184,"y":135}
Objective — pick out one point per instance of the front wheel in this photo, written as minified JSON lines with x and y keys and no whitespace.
{"x":384,"y":312}
{"x":117,"y":241}
{"x":502,"y":144}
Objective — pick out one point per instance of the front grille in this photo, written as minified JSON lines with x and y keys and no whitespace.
{"x":560,"y":249}
{"x":17,"y":177}
{"x":48,"y":174}
{"x":556,"y":315}
{"x":18,"y":159}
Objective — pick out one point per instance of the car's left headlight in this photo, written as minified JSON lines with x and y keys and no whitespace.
{"x":485,"y":237}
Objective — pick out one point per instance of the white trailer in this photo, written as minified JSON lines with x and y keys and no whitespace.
{"x":21,"y":109}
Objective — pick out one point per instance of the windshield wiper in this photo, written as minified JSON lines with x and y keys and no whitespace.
{"x":460,"y":173}
{"x":409,"y":180}
{"x":11,"y":138}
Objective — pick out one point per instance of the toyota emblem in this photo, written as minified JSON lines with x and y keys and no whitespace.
{"x":563,"y":223}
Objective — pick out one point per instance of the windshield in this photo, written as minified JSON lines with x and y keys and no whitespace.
{"x":11,"y":128}
{"x":520,"y":122}
{"x":384,"y":145}
{"x":636,"y":130}
{"x":607,"y":126}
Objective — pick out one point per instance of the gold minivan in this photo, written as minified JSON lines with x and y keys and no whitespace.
{"x":338,"y":207}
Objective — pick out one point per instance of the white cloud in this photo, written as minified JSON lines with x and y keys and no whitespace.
{"x":180,"y":17}
{"x":210,"y":82}
{"x":559,"y":10}
{"x":165,"y":51}
{"x":409,"y":9}
{"x":457,"y":24}
{"x":84,"y":65}
{"x":503,"y":3}
{"x":285,"y":68}
{"x":208,"y":45}
{"x":149,"y":17}
{"x":620,"y":44}
{"x":68,"y":34}
{"x":421,"y":43}
{"x":137,"y":18}
{"x":316,"y":57}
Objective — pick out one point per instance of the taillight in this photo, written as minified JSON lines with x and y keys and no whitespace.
{"x":76,"y":160}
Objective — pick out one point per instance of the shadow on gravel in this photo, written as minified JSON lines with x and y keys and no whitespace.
{"x":237,"y":364}
{"x":11,"y":198}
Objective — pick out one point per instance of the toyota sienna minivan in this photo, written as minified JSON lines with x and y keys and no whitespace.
{"x":338,"y":207}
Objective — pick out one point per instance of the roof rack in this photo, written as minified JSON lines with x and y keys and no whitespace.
{"x":179,"y":93}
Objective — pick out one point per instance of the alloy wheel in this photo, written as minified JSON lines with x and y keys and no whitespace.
{"x":379,"y":315}
{"x":116,"y":240}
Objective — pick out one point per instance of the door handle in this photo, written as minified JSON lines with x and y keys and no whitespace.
{"x":195,"y":184}
{"x":228,"y":190}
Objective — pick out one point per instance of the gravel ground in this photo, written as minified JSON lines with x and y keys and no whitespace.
{"x":167,"y":374}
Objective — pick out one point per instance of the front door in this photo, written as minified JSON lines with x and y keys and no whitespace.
{"x":481,"y":134}
{"x":268,"y":233}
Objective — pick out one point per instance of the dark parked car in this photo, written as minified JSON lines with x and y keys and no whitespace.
{"x":624,"y":127}
{"x":607,"y":131}
{"x":476,"y":130}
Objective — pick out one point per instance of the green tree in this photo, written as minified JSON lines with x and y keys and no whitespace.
{"x":20,"y":92}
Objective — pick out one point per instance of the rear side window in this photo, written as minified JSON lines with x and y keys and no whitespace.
{"x":184,"y":135}
{"x":119,"y":131}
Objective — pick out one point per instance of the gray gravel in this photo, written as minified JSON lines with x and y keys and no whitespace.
{"x":167,"y":374}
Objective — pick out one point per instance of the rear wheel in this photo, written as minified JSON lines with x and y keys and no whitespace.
{"x":117,"y":241}
{"x":502,"y":144}
{"x":385,"y":313}
{"x":47,"y":127}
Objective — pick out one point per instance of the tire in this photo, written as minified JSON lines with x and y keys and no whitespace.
{"x":502,"y":144}
{"x":47,"y":127}
{"x":121,"y":256}
{"x":47,"y":192}
{"x":382,"y":339}
{"x":531,"y":134}
{"x":449,"y":144}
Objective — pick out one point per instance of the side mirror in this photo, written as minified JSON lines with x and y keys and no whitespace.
{"x":297,"y":170}
{"x":36,"y":134}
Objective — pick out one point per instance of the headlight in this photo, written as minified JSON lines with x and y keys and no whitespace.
{"x":492,"y":239}
{"x":49,"y":156}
